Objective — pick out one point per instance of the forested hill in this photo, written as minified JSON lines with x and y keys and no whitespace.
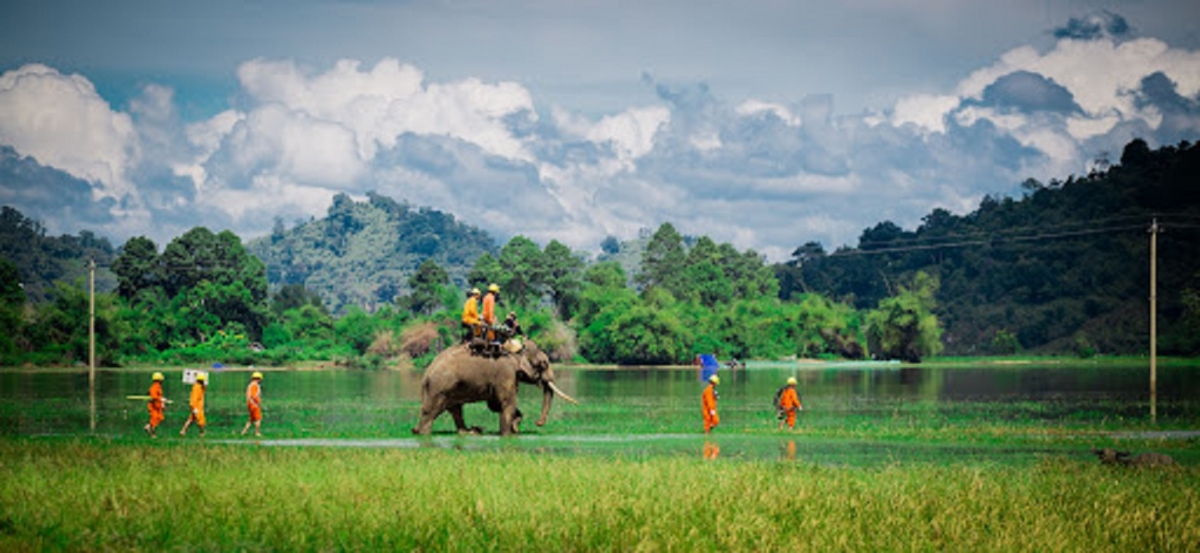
{"x":42,"y":260}
{"x":1065,"y":267}
{"x":363,"y":253}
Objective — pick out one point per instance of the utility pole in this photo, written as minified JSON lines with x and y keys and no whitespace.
{"x":1154,"y":320}
{"x":92,"y":336}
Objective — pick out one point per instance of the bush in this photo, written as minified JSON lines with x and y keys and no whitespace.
{"x":1083,"y":347}
{"x":558,"y":341}
{"x":419,"y":339}
{"x":1005,"y":343}
{"x":384,"y":344}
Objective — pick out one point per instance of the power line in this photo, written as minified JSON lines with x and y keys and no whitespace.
{"x":983,"y":241}
{"x":990,"y":235}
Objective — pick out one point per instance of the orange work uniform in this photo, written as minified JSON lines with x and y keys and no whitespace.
{"x":470,"y":314}
{"x":254,"y":400}
{"x":196,"y":401}
{"x":708,"y":402}
{"x":489,"y":309}
{"x":155,"y":405}
{"x":789,"y":402}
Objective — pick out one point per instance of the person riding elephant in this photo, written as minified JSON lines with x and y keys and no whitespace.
{"x":470,"y":316}
{"x":456,"y":377}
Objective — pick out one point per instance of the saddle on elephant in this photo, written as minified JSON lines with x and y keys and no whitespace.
{"x":494,"y":343}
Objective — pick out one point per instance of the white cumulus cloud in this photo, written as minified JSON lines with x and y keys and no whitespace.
{"x":62,"y":122}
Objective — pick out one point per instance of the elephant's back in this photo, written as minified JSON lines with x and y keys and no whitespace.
{"x":457,"y":363}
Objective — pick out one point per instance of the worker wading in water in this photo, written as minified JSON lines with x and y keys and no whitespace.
{"x":708,"y":401}
{"x":789,"y":404}
{"x":156,"y":405}
{"x":254,"y":404}
{"x":470,"y":316}
{"x":196,"y":402}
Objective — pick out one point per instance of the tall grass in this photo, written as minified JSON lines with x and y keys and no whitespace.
{"x":85,"y":495}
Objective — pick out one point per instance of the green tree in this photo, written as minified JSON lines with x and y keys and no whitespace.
{"x":308,"y":323}
{"x":426,"y":285}
{"x":649,"y":333}
{"x":603,"y":298}
{"x":904,"y":326}
{"x":562,"y":275}
{"x":234,"y":282}
{"x":12,"y":300}
{"x":485,"y":271}
{"x":293,"y":296}
{"x":61,"y":326}
{"x":610,"y":245}
{"x":704,"y":278}
{"x":522,"y":276}
{"x":663,"y":261}
{"x":1005,"y":343}
{"x":137,"y":267}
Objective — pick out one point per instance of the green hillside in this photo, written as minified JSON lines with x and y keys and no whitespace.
{"x":42,"y":260}
{"x":1065,"y":268}
{"x":363,"y":253}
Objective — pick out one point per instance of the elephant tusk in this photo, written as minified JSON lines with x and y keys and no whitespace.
{"x":561,"y":393}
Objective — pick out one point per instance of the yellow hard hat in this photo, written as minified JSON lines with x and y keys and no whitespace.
{"x":257,"y":375}
{"x":791,"y":381}
{"x":714,"y":379}
{"x":474,"y":291}
{"x":157,"y":376}
{"x":493,"y":288}
{"x":202,"y":377}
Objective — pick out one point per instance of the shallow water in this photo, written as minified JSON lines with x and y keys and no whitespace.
{"x":636,"y":411}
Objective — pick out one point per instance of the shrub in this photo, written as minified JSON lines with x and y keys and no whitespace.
{"x":419,"y":340}
{"x":384,"y":344}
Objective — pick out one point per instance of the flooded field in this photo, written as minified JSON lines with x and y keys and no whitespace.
{"x":865,"y":413}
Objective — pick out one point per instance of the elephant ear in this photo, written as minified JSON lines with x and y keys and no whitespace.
{"x":535,"y":356}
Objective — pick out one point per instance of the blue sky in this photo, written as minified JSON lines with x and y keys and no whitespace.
{"x":762,"y":123}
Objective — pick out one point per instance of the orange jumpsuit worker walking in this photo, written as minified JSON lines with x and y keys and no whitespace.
{"x":254,"y":404}
{"x":708,"y":402}
{"x":196,"y":401}
{"x":155,"y":405}
{"x":789,"y":403}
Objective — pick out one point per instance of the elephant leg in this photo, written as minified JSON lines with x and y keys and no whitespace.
{"x":431,"y":408}
{"x":457,"y":413}
{"x":508,"y":412}
{"x":460,"y":423}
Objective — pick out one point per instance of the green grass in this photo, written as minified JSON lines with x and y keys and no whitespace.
{"x":94,"y":495}
{"x":870,"y":468}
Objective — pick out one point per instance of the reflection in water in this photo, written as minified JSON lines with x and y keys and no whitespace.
{"x":789,"y":450}
{"x":711,"y":450}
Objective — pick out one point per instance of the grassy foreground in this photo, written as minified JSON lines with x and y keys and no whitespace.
{"x":96,"y":495}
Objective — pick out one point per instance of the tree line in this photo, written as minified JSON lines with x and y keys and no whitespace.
{"x":205,"y":298}
{"x":1061,"y":270}
{"x":1065,"y":269}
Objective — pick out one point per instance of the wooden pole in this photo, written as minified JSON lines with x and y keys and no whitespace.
{"x":92,"y":337}
{"x":1154,"y":320}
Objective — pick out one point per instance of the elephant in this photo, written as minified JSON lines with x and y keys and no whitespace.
{"x":457,"y":377}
